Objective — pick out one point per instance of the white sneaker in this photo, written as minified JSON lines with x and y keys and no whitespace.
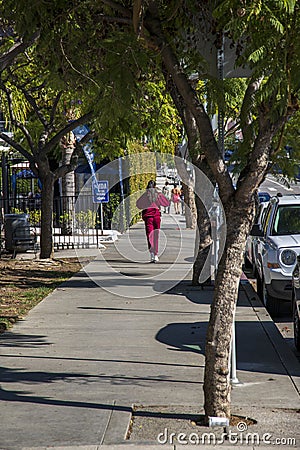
{"x":156,"y":258}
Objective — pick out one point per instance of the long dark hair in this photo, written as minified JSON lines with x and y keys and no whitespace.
{"x":151,"y":184}
{"x":152,"y":191}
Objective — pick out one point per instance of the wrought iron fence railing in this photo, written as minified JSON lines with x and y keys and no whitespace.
{"x":76,"y":220}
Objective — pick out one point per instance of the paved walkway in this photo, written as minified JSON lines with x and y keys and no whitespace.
{"x":132,"y":333}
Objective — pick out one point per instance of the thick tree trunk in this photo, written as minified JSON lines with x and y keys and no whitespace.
{"x":46,"y":239}
{"x":218,"y":341}
{"x":238,"y":205}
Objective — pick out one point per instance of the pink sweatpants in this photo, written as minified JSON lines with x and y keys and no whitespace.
{"x":152,"y":225}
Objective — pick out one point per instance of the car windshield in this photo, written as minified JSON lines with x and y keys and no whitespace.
{"x":287,"y":220}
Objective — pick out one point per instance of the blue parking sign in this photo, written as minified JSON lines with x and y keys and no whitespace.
{"x":100,"y":191}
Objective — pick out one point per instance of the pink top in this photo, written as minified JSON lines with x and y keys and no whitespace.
{"x":151,"y":208}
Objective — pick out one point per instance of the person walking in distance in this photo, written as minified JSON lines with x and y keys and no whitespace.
{"x":150,"y":203}
{"x":166,"y":190}
{"x":176,"y":199}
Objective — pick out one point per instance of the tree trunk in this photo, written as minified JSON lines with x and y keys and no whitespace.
{"x":190,"y":206}
{"x":218,"y":341}
{"x":67,"y":185}
{"x":238,"y":205}
{"x":193,"y":142}
{"x":203,"y":243}
{"x":188,"y":192}
{"x":203,"y":235}
{"x":46,"y":239}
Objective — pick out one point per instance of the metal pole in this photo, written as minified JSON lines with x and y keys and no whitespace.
{"x":220,"y":63}
{"x":5,"y":190}
{"x":233,"y":379}
{"x":214,"y":246}
{"x":101,"y":212}
{"x":122,"y":212}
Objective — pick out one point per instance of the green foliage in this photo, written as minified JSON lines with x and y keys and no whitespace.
{"x":84,"y":220}
{"x":32,"y":100}
{"x":287,"y":148}
{"x":225,"y":95}
{"x":105,"y":66}
{"x":109,"y":210}
{"x":17,"y":211}
{"x":35,"y":217}
{"x":158,"y":118}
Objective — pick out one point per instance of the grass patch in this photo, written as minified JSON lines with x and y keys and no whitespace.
{"x":24,"y":284}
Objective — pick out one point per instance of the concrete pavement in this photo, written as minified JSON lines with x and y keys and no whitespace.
{"x":127,"y":333}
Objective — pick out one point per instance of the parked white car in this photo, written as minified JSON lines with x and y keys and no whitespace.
{"x":252,"y":241}
{"x":277,"y":247}
{"x":296,"y":303}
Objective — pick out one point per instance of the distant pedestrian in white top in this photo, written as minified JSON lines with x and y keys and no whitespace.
{"x":166,"y":190}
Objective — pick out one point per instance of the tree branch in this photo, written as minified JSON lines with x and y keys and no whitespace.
{"x":7,"y":58}
{"x":31,"y":100}
{"x":56,"y":139}
{"x":54,"y":107}
{"x":255,"y":171}
{"x":208,"y":142}
{"x":61,"y":171}
{"x":117,"y":7}
{"x":74,"y":68}
{"x":12,"y":143}
{"x":13,"y":119}
{"x":246,"y":109}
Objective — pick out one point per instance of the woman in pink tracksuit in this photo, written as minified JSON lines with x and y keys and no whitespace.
{"x":150,"y":202}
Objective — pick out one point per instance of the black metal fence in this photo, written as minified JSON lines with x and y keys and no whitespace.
{"x":77,"y":221}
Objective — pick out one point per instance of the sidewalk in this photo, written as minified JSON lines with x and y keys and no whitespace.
{"x":133,"y":333}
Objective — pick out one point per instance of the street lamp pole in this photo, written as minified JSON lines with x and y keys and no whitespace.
{"x":221,"y":133}
{"x":220,"y":67}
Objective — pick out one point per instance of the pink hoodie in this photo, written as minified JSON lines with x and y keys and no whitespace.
{"x":151,"y":209}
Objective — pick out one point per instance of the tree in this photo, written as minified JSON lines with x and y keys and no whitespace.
{"x":39,"y":127}
{"x":151,"y":115}
{"x":264,"y":36}
{"x":270,"y":99}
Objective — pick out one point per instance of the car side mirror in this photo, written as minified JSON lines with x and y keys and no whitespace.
{"x":256,"y":231}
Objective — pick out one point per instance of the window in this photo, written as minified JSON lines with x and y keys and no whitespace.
{"x":266,"y":218}
{"x":287,"y":220}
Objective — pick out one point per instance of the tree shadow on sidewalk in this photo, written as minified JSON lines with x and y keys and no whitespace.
{"x":255,"y":352}
{"x":184,"y":337}
{"x":17,"y":396}
{"x":12,"y":339}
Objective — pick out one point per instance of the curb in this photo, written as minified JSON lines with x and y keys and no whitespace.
{"x":285,"y":354}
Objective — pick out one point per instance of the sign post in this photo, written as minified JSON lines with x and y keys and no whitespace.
{"x":100,"y":195}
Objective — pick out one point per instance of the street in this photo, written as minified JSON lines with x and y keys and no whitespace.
{"x":274,"y":186}
{"x":283,"y":321}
